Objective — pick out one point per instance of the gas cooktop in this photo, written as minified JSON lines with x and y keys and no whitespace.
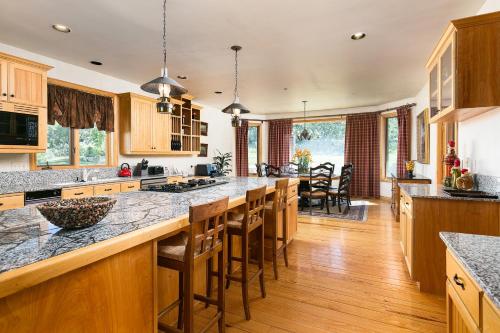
{"x":191,"y":185}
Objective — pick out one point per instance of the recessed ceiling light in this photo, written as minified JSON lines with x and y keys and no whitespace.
{"x":358,"y":35}
{"x":182,"y":77}
{"x":97,"y":63}
{"x":61,"y":28}
{"x":218,"y":92}
{"x":285,"y":89}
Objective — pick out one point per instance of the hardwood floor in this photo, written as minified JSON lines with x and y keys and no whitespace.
{"x":342,"y":277}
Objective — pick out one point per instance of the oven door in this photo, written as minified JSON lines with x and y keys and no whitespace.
{"x":18,"y":129}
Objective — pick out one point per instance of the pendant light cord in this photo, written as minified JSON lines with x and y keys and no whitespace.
{"x":164,"y":36}
{"x":235,"y":74}
{"x":304,"y":114}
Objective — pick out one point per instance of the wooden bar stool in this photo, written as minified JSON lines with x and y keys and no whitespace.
{"x":273,"y":210}
{"x":242,"y":225}
{"x":203,"y":240}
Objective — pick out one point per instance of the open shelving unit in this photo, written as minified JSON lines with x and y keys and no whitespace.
{"x":185,"y":124}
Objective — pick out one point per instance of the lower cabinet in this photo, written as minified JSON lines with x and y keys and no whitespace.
{"x":77,"y":192}
{"x":468,"y":309}
{"x":11,"y":201}
{"x":406,"y":230}
{"x":107,"y":189}
{"x":130,"y":186}
{"x":101,"y":189}
{"x":292,"y":214}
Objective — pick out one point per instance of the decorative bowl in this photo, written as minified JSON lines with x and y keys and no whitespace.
{"x":76,"y":213}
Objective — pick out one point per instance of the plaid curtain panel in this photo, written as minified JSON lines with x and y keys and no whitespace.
{"x":280,"y":140}
{"x":403,"y":152}
{"x":242,"y":149}
{"x":362,"y":150}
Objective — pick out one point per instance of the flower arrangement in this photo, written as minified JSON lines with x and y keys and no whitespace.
{"x":303,"y":158}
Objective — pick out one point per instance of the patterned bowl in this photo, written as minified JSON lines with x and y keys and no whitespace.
{"x":76,"y":213}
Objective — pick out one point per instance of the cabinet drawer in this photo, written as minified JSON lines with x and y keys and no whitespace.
{"x":107,"y":189}
{"x":292,"y":191}
{"x":467,"y":291}
{"x":11,"y":201}
{"x":130,"y":186}
{"x":174,"y":179}
{"x":77,"y":192}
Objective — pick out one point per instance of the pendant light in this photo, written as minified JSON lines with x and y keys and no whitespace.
{"x":235,"y":108}
{"x":304,"y":135}
{"x":163,"y":85}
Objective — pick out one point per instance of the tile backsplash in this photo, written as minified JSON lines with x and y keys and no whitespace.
{"x":487,"y":183}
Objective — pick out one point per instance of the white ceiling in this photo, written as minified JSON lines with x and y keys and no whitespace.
{"x":301,"y":45}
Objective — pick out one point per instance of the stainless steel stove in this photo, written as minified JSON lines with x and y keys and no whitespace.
{"x":190,"y":185}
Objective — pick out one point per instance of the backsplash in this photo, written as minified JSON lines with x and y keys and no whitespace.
{"x":31,"y":179}
{"x":487,"y":183}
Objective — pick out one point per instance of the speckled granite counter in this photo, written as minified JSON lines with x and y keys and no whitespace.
{"x":433,"y":191}
{"x":27,"y":237}
{"x":480,"y":255}
{"x":19,"y":187}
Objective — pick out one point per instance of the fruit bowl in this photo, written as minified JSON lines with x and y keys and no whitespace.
{"x":76,"y":213}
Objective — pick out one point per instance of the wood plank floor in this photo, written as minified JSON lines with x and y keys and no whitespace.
{"x":342,"y":277}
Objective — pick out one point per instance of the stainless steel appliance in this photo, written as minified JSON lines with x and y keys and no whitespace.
{"x":191,"y":185}
{"x":18,"y":129}
{"x":204,"y":170}
{"x":146,"y":183}
{"x":156,"y":170}
{"x":35,"y":197}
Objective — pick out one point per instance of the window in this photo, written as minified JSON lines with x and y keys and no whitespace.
{"x":391,"y":146}
{"x":74,"y":147}
{"x":326,"y":144}
{"x":253,"y":147}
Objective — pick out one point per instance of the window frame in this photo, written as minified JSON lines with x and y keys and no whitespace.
{"x":259,"y":143}
{"x":384,"y":116}
{"x":111,"y":141}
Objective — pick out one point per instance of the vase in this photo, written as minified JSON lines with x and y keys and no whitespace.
{"x":304,"y":168}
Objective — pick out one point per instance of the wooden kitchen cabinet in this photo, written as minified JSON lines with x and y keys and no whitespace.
{"x":27,"y":85}
{"x":406,"y":230}
{"x":77,"y":192}
{"x":3,"y":80}
{"x":464,"y":69}
{"x":292,"y":215}
{"x":106,"y":189}
{"x":491,"y":317}
{"x":130,"y":186}
{"x":11,"y":201}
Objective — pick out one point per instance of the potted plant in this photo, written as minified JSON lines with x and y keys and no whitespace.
{"x":222,"y":162}
{"x":303,"y":158}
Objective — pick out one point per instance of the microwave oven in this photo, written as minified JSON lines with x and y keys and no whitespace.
{"x":18,"y":129}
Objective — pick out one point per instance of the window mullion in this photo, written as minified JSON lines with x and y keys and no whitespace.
{"x":75,"y":144}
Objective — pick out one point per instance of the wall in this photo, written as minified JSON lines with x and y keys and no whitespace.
{"x":221,"y":134}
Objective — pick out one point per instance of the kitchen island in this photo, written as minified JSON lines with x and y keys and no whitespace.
{"x":102,"y":278}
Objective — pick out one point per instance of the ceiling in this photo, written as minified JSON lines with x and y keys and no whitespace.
{"x":303,"y":46}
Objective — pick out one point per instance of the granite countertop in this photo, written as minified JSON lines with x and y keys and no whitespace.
{"x":480,"y":255}
{"x":415,"y":177}
{"x":433,"y":191}
{"x":27,"y":237}
{"x":41,"y":187}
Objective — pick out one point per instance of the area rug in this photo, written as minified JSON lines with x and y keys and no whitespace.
{"x":357,"y":213}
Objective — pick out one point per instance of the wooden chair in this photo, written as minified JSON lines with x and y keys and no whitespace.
{"x":273,"y":171}
{"x":242,"y":224}
{"x":274,"y":209}
{"x":261,"y":169}
{"x":329,"y":165}
{"x":320,"y":181}
{"x":343,"y":191}
{"x":290,"y":170}
{"x":203,"y":240}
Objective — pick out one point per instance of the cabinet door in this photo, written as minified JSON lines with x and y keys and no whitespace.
{"x":161,"y":132}
{"x":141,"y":126}
{"x":459,"y":321}
{"x":3,"y":80}
{"x":446,"y":78}
{"x":292,"y":213}
{"x":402,"y":225}
{"x":27,"y":85}
{"x":434,"y":91}
{"x":409,"y":240}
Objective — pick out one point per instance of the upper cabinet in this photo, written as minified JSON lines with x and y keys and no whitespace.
{"x":144,"y":131}
{"x":464,"y":69}
{"x":23,"y":105}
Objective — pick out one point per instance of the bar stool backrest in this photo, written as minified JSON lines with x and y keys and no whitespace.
{"x":254,"y":207}
{"x":280,"y":194}
{"x":208,"y":227}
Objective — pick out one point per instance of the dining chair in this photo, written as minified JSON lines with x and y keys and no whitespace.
{"x":343,"y":191}
{"x":320,"y":181}
{"x":261,"y":169}
{"x":204,"y":240}
{"x":273,"y":171}
{"x":290,"y":170}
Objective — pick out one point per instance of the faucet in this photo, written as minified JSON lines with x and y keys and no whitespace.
{"x":87,"y":173}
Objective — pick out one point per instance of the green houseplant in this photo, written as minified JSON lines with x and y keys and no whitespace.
{"x":222,"y":162}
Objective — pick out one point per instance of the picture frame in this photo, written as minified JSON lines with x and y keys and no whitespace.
{"x":423,"y":137}
{"x":203,"y":150}
{"x":203,"y":128}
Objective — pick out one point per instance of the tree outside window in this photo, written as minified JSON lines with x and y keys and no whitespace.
{"x":391,"y":146}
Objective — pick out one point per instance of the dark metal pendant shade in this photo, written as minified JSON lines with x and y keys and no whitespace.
{"x":153,"y":86}
{"x":304,"y":135}
{"x":236,"y":107}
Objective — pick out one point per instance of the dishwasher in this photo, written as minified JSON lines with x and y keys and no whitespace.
{"x":36,"y":197}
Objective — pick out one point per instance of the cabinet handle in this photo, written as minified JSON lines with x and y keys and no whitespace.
{"x":12,"y":95}
{"x":79,"y":193}
{"x":1,"y":204}
{"x":4,"y":94}
{"x":459,"y":282}
{"x":107,"y":189}
{"x":131,"y":186}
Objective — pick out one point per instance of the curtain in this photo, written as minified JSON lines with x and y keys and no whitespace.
{"x":78,"y":109}
{"x":279,"y":142}
{"x":362,"y":150}
{"x":403,"y":153}
{"x":242,"y":149}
